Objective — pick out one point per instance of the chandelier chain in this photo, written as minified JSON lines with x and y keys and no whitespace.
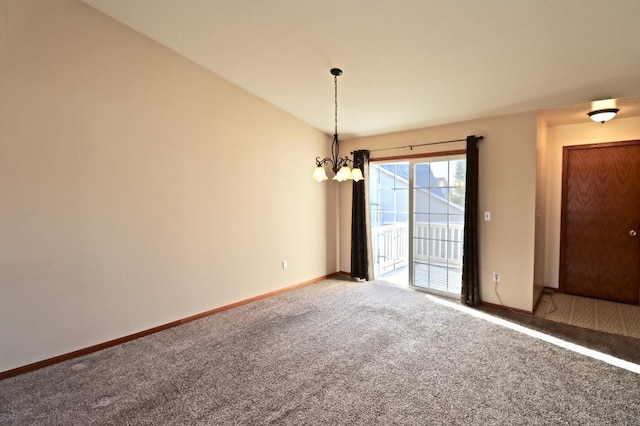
{"x":335,"y":98}
{"x":335,"y":145}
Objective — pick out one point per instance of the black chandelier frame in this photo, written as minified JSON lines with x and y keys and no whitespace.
{"x":336,"y":161}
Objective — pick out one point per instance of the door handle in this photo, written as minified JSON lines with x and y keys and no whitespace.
{"x":633,"y":233}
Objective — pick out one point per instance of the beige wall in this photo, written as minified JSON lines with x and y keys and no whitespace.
{"x":507,"y":189}
{"x":618,"y":129}
{"x":137,"y":188}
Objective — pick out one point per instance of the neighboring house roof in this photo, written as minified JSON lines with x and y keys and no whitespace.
{"x":424,"y":177}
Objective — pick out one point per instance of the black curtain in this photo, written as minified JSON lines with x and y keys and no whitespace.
{"x":470,"y":273}
{"x":361,"y":266}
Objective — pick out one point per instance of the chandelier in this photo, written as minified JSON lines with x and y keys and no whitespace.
{"x":340,"y":165}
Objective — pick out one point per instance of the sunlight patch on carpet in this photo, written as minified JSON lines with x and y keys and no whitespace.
{"x":630,"y":366}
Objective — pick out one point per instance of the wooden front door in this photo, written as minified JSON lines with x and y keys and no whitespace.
{"x":600,"y":247}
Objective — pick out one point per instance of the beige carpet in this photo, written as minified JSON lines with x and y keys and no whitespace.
{"x":332,"y":353}
{"x":594,"y":314}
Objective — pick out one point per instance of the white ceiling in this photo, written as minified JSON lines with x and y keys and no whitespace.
{"x":407,"y":63}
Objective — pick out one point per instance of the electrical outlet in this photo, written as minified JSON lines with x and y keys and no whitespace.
{"x":496,"y":277}
{"x":284,"y":264}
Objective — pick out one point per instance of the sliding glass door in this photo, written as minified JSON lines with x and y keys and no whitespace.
{"x":417,"y":210}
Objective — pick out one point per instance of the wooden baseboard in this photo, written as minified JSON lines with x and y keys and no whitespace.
{"x":81,"y":352}
{"x":252,"y":299}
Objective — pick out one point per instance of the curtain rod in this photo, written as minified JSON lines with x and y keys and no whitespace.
{"x":424,"y":144}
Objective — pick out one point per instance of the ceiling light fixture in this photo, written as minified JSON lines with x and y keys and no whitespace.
{"x":602,"y":115}
{"x":340,"y":165}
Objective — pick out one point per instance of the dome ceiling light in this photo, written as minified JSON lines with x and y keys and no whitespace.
{"x":602,"y":115}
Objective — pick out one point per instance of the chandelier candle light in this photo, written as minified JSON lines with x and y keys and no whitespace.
{"x":339,"y":164}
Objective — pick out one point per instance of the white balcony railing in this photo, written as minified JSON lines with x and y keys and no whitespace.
{"x":433,"y":243}
{"x":390,"y":247}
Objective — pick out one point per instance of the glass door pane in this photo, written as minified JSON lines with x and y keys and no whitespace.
{"x":437,"y":224}
{"x":389,"y":207}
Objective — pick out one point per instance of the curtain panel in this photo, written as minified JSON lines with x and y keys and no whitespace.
{"x":361,"y":262}
{"x":470,"y":269}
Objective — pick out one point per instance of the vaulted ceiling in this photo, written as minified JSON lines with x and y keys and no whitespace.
{"x":407,"y":63}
